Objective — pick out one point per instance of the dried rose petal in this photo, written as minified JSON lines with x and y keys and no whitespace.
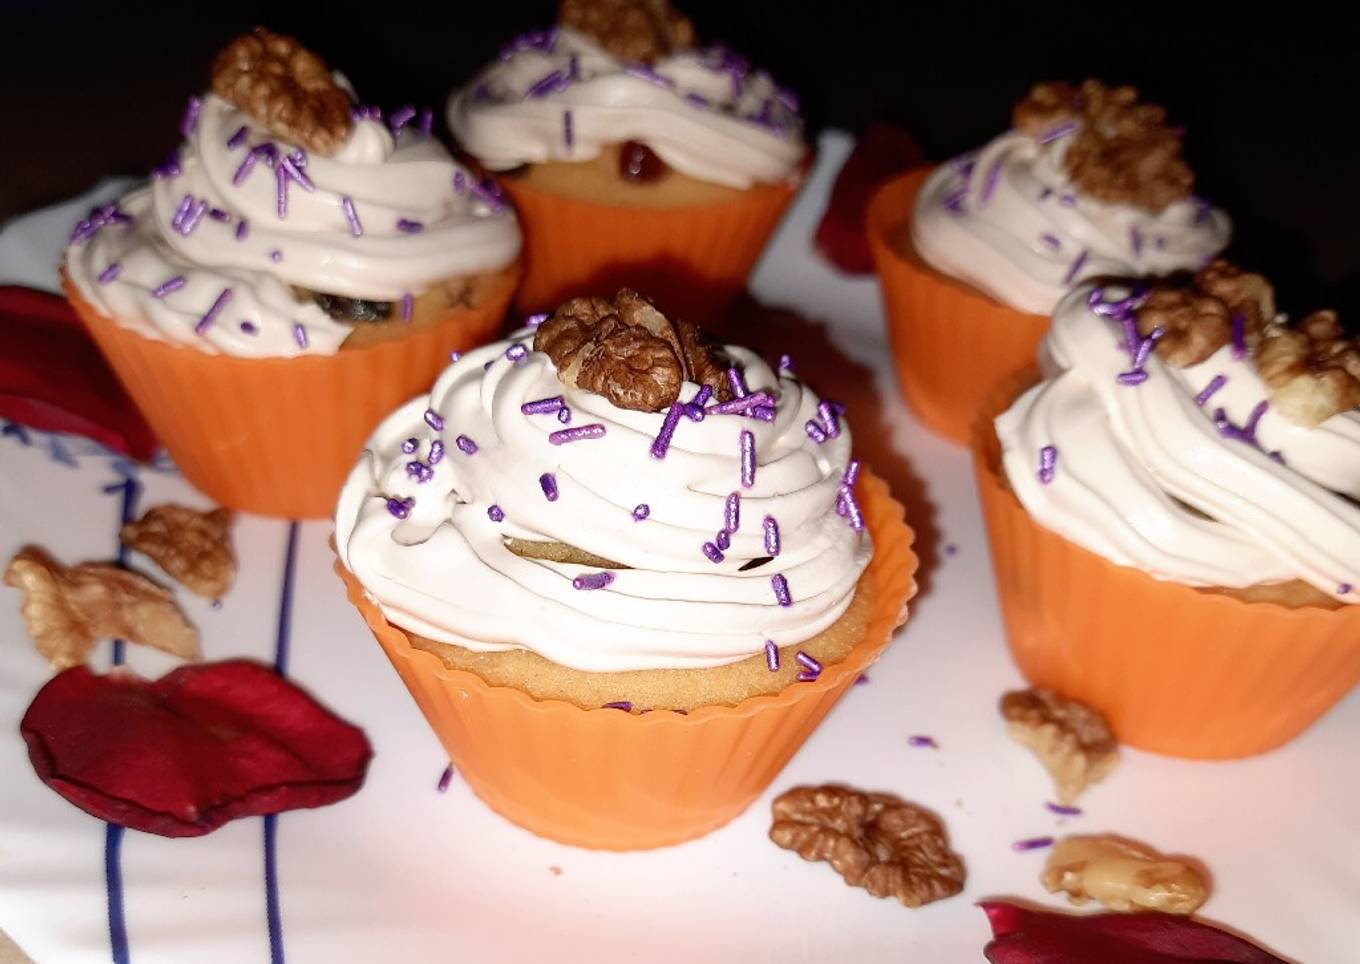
{"x":52,"y":378}
{"x":182,"y":755}
{"x":1024,"y":936}
{"x":880,"y":153}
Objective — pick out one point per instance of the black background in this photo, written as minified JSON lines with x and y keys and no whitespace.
{"x":1269,"y":101}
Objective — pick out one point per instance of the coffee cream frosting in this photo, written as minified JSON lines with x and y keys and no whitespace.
{"x":1185,"y":476}
{"x":239,"y":211}
{"x":432,"y":553}
{"x":559,"y":96}
{"x":1008,"y":220}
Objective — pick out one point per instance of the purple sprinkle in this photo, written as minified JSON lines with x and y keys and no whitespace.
{"x":533,"y":321}
{"x":702,"y":396}
{"x":592,"y":580}
{"x":953,"y":201}
{"x":828,"y":411}
{"x":1343,"y":588}
{"x":445,"y":779}
{"x":1146,"y":345}
{"x":436,"y":452}
{"x":1033,"y":843}
{"x":641,"y":511}
{"x":548,"y":484}
{"x":190,"y":118}
{"x":109,"y":273}
{"x":465,"y":445}
{"x":697,"y":100}
{"x":771,"y":656}
{"x":1076,"y":267}
{"x":723,"y":540}
{"x":407,"y":306}
{"x":950,"y":549}
{"x":1132,"y":378}
{"x":1054,"y":133}
{"x":1045,"y":194}
{"x":576,"y":434}
{"x":434,"y":420}
{"x":546,"y":84}
{"x":923,"y":741}
{"x":459,"y":182}
{"x":564,"y":415}
{"x":542,"y":406}
{"x":815,"y":432}
{"x":740,"y":405}
{"x":989,"y":184}
{"x":662,"y":442}
{"x":426,"y":122}
{"x":206,"y":321}
{"x":418,"y":470}
{"x":237,"y":139}
{"x":1063,"y":810}
{"x":300,"y":335}
{"x":400,"y":508}
{"x":1051,"y":240}
{"x":851,"y":475}
{"x":407,"y":226}
{"x":860,"y":680}
{"x":1067,"y":200}
{"x":771,"y":535}
{"x":168,"y":167}
{"x":624,"y":705}
{"x":191,"y":218}
{"x":748,"y":459}
{"x":246,"y":166}
{"x":281,"y":192}
{"x":495,"y":513}
{"x":401,"y":117}
{"x":1277,"y":456}
{"x":568,"y":136}
{"x":217,"y":214}
{"x":846,"y":499}
{"x":762,"y":412}
{"x":1239,"y":335}
{"x":811,"y":664}
{"x":248,"y":327}
{"x":785,"y":363}
{"x":409,"y":446}
{"x":517,"y":352}
{"x":454,"y":356}
{"x":780,"y":585}
{"x":1136,"y":241}
{"x":713,"y":552}
{"x":807,"y":677}
{"x":732,"y":512}
{"x":1048,"y":461}
{"x":347,"y":205}
{"x":738,"y":383}
{"x":695,"y":413}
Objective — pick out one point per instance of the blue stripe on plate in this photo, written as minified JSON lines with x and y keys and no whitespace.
{"x":271,"y":822}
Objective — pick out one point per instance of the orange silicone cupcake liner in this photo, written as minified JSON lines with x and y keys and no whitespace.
{"x":611,"y":780}
{"x":951,"y":344}
{"x":1176,"y":671}
{"x":693,"y":261}
{"x":277,"y":436}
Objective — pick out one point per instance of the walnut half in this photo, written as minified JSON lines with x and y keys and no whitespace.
{"x":193,"y":547}
{"x":285,"y":87}
{"x":641,"y":31}
{"x":69,"y":609}
{"x":1071,"y":739}
{"x":627,"y":351}
{"x":1197,"y":319}
{"x":889,"y":847}
{"x":1122,"y":875}
{"x":1312,"y":369}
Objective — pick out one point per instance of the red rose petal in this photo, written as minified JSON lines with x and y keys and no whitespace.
{"x":881,"y":152}
{"x":1025,"y":936}
{"x":182,"y":755}
{"x":53,"y":378}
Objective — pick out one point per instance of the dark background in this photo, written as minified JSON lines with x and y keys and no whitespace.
{"x":1269,"y":101}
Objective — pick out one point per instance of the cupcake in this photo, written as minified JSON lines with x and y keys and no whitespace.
{"x":1089,"y":183}
{"x":1173,"y":513}
{"x":633,"y":155}
{"x":623,"y":573}
{"x":296,"y":269}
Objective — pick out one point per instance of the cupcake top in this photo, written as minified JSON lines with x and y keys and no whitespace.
{"x":1194,"y":434}
{"x":285,"y":208}
{"x":615,"y":71}
{"x":707,"y":499}
{"x":1089,"y":183}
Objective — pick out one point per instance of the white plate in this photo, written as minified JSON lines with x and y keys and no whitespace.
{"x":401,"y":872}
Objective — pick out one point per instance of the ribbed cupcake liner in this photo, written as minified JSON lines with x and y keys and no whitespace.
{"x":693,"y":261}
{"x":951,"y":344}
{"x":277,"y":436}
{"x":610,"y":780}
{"x":1176,"y":671}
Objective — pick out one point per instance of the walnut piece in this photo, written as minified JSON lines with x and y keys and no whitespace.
{"x":285,"y":87}
{"x":641,"y":31}
{"x":1313,"y":369}
{"x":1071,"y":739}
{"x":889,"y":847}
{"x":627,"y":351}
{"x":69,"y":609}
{"x":1122,"y":875}
{"x":1122,"y":153}
{"x":1196,"y":320}
{"x":194,"y":548}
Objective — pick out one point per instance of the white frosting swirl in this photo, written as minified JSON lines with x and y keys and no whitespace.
{"x":1131,"y":458}
{"x":1008,"y":220}
{"x":444,"y":571}
{"x":560,"y":96}
{"x":416,"y":229}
